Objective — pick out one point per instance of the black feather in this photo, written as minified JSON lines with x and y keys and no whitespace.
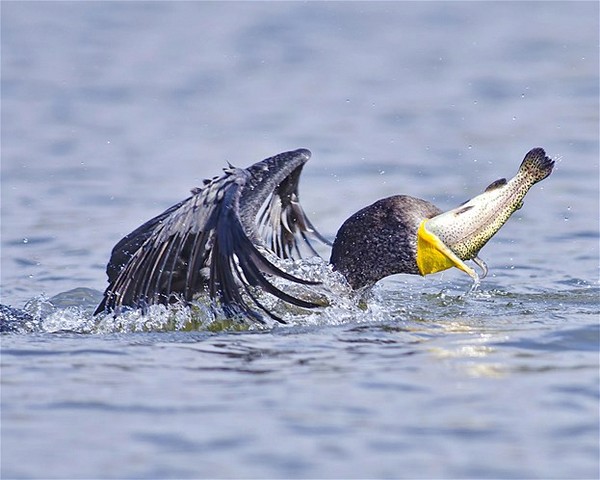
{"x":208,"y":242}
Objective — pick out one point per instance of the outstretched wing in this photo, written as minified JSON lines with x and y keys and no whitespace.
{"x":282,"y":221}
{"x":208,"y":242}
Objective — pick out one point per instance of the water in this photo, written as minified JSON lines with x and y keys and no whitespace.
{"x":111,"y":112}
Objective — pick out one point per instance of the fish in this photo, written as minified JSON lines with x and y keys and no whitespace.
{"x":448,"y":239}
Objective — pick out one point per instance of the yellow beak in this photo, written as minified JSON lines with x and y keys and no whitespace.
{"x":434,"y":256}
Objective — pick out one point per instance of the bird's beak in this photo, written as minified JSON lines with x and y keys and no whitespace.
{"x":434,"y":256}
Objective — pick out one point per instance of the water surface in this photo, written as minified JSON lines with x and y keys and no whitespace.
{"x":111,"y":112}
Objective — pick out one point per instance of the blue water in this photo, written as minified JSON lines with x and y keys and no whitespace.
{"x":112,"y":111}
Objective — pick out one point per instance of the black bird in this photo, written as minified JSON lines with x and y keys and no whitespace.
{"x":219,"y":239}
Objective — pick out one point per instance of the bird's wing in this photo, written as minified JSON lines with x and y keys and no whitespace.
{"x":208,"y":242}
{"x":270,"y":206}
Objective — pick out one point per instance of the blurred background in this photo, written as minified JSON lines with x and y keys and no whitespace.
{"x":112,"y":111}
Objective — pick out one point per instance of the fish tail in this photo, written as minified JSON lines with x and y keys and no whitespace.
{"x":536,"y":165}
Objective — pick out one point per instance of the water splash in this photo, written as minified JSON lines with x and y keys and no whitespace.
{"x":401,"y":298}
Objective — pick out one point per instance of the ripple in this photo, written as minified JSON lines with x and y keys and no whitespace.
{"x":583,"y":339}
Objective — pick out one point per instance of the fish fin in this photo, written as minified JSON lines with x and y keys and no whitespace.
{"x":481,"y":264}
{"x":497,"y":184}
{"x":537,"y":163}
{"x":463,"y":210}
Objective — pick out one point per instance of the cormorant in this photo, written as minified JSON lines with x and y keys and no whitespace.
{"x":219,"y":239}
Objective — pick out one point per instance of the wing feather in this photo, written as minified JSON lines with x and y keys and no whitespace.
{"x":283,"y":222}
{"x":208,"y":242}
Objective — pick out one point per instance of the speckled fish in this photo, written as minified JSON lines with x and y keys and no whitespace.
{"x":448,"y":239}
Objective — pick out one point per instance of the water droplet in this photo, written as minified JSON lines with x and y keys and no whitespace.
{"x":469,"y":147}
{"x":25,"y":240}
{"x":514,"y":117}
